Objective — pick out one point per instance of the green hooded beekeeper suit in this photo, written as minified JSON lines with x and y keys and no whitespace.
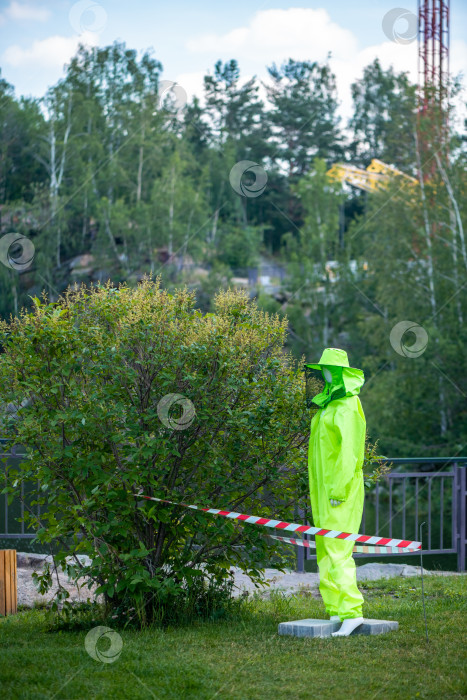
{"x":335,"y":460}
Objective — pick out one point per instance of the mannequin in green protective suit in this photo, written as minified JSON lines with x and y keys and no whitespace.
{"x":335,"y":460}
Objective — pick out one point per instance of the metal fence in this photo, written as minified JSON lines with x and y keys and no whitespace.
{"x":436,"y":495}
{"x":10,"y":527}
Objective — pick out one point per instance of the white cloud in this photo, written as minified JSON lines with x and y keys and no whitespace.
{"x":52,"y":52}
{"x":279,"y":34}
{"x":17,"y":11}
{"x":192,"y":83}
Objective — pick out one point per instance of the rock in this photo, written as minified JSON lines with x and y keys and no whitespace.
{"x":82,"y":261}
{"x":287,"y":583}
{"x":36,"y":561}
{"x":375,"y":571}
{"x":28,"y":560}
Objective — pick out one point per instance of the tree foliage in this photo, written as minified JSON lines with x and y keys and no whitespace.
{"x":109,"y":180}
{"x":127,"y":391}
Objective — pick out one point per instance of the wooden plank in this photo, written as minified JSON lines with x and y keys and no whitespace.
{"x":16,"y":582}
{"x":2,"y":582}
{"x":7,"y":582}
{"x":13,"y":581}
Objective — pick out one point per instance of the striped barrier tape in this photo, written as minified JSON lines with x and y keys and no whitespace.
{"x":364,"y":548}
{"x":294,"y":527}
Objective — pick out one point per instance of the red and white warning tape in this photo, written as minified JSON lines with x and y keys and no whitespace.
{"x":364,"y":548}
{"x":294,"y":527}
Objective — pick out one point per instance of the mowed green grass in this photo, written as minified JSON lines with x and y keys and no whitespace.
{"x":245,"y":659}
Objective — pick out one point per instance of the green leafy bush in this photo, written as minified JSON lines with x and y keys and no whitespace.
{"x":134,"y":389}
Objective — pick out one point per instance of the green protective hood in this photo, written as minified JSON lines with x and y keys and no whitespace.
{"x":354,"y":379}
{"x":346,"y":382}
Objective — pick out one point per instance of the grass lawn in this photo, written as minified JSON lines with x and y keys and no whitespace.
{"x":245,"y":659}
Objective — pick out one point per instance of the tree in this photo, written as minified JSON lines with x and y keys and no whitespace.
{"x":305,"y":126}
{"x":21,"y":123}
{"x":136,"y":389}
{"x":304,"y":115}
{"x":240,"y":132}
{"x":313,"y":261}
{"x":384,"y":118}
{"x":416,"y":391}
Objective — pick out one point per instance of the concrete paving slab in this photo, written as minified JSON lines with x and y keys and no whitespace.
{"x":309,"y":628}
{"x":324,"y":628}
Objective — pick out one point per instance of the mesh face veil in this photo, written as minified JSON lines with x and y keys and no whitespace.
{"x":333,"y":387}
{"x":313,"y":385}
{"x":332,"y":376}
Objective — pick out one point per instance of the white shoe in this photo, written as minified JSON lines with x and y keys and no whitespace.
{"x":335,"y":618}
{"x":348,"y":627}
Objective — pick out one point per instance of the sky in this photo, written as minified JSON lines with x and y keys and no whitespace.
{"x":38,"y":37}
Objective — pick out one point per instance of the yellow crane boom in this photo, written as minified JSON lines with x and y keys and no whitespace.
{"x":376,"y":176}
